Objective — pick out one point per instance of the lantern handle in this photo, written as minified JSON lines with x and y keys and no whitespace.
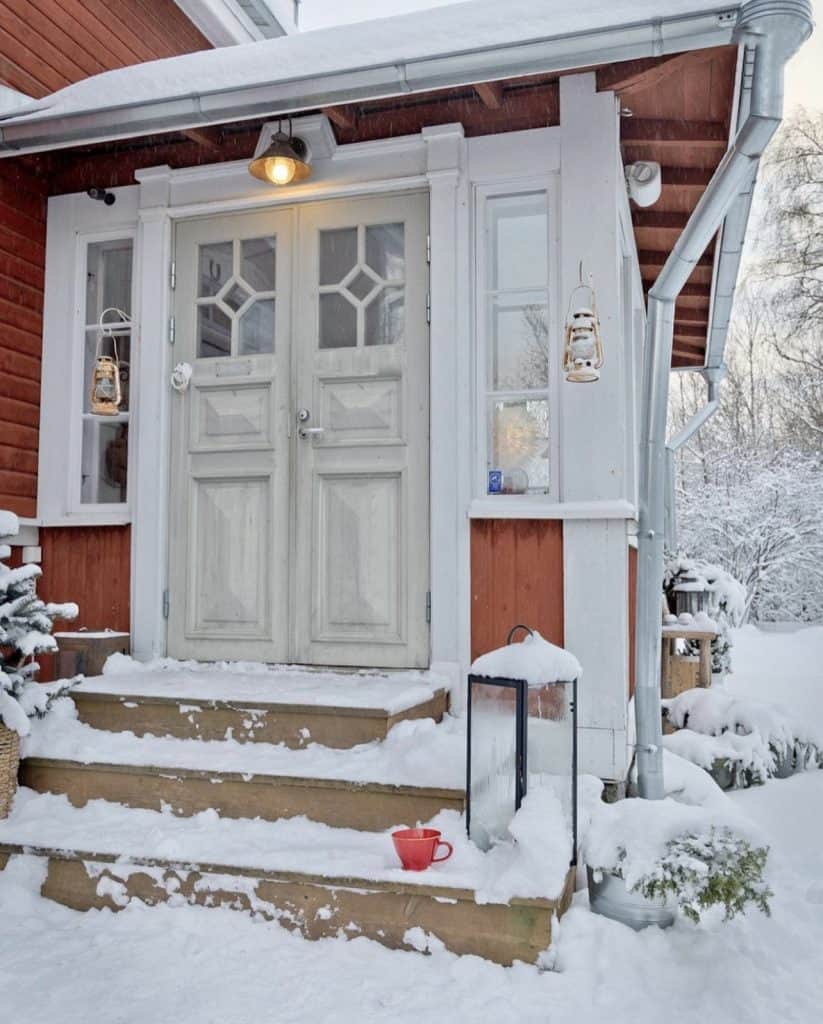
{"x":514,"y":629}
{"x":107,"y":329}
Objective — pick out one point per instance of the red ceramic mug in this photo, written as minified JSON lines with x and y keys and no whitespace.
{"x":416,"y":847}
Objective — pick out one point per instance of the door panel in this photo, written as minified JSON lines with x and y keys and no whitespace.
{"x":361,"y":566}
{"x":230,"y":512}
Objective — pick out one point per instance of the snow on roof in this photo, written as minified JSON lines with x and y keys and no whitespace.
{"x":460,"y":28}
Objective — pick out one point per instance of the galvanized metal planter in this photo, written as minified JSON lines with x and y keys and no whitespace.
{"x":609,"y":897}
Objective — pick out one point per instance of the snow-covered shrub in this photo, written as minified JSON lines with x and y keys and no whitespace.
{"x":696,"y":856}
{"x":26,"y":625}
{"x":726,"y":602}
{"x":702,"y":871}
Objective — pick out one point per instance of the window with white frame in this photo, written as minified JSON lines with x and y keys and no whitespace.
{"x":107,"y":330}
{"x":513,"y":282}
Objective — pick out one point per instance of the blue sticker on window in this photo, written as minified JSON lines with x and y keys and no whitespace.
{"x":495,"y":481}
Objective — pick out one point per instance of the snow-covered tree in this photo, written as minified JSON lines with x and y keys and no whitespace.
{"x":26,"y":624}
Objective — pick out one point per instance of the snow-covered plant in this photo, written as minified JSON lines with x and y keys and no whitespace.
{"x":26,"y":625}
{"x":726,"y":602}
{"x":720,"y":868}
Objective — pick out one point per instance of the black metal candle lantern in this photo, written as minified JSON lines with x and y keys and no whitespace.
{"x":690,"y":596}
{"x":521,"y":735}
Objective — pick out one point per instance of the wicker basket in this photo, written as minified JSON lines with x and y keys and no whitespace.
{"x":9,"y":763}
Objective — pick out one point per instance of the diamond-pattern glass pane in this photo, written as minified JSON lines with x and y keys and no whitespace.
{"x":257,"y":328}
{"x":213,"y":332}
{"x":257,"y":263}
{"x":235,"y":296}
{"x":385,"y":318}
{"x":338,"y":322}
{"x":338,"y":254}
{"x":385,"y":250}
{"x":214,"y":267}
{"x":361,"y":285}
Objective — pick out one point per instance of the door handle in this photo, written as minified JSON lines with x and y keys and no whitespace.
{"x":309,"y":432}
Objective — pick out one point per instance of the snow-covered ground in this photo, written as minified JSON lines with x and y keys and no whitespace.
{"x":187,"y":964}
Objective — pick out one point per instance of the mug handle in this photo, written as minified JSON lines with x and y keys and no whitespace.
{"x":442,"y":842}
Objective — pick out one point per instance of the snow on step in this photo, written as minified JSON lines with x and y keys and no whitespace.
{"x":534,"y":868}
{"x":255,"y":684}
{"x":415,"y":753}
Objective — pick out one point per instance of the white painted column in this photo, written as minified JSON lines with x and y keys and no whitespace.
{"x":154,"y":359}
{"x":450,"y":400}
{"x":594,"y":431}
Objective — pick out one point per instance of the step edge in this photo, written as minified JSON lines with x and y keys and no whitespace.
{"x":249,"y":778}
{"x":341,"y":711}
{"x":410,"y":888}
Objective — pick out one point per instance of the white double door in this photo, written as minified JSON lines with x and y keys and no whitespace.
{"x":299,"y":486}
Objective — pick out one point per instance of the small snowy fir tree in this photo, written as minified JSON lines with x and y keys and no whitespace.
{"x":26,"y":623}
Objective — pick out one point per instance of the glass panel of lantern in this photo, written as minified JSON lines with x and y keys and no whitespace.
{"x":521,"y":736}
{"x":690,"y":596}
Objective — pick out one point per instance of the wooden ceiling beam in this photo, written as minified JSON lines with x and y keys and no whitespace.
{"x":688,"y":291}
{"x":490,"y":93}
{"x":208,"y":138}
{"x":684,"y":330}
{"x":669,"y":220}
{"x":658,"y":131}
{"x":653,"y":258}
{"x":628,"y":78}
{"x":686,"y":177}
{"x":343,"y":117}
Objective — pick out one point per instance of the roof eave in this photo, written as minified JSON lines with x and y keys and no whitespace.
{"x":654,"y":37}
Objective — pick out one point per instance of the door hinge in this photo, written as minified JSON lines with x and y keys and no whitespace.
{"x":171,"y":330}
{"x":428,"y":248}
{"x":165,"y":604}
{"x":428,"y":307}
{"x":428,"y":607}
{"x":173,"y":275}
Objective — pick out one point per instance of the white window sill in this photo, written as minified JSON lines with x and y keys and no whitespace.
{"x":83,"y":519}
{"x":515,"y":506}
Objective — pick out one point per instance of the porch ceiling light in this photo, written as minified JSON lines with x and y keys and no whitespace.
{"x":286,"y":159}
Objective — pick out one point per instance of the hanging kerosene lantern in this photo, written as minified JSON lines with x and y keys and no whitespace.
{"x":583,"y":350}
{"x":106,"y":390}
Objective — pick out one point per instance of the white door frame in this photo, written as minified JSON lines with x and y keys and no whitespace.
{"x":435,"y":159}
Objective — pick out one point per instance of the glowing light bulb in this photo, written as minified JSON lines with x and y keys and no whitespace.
{"x":280,"y":170}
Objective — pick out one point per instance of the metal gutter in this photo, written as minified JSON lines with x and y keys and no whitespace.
{"x":652,"y":37}
{"x":771,"y":32}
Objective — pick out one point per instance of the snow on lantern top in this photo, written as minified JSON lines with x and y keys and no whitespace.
{"x":534,"y":660}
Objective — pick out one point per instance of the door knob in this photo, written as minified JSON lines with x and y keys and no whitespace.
{"x":309,"y":432}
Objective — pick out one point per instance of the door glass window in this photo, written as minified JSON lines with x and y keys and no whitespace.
{"x":361,"y":278}
{"x":236,"y":297}
{"x":105,"y":438}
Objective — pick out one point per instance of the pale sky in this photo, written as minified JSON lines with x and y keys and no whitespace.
{"x":804,"y":82}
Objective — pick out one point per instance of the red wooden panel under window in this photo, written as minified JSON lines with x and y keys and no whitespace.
{"x":516,"y":576}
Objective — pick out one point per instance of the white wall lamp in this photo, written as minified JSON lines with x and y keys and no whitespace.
{"x":644,"y":182}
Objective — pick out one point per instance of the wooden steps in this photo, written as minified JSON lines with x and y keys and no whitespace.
{"x":316,"y":906}
{"x":368,"y":806}
{"x":295,"y":725}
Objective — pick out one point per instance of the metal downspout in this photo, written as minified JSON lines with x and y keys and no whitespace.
{"x":771,"y":32}
{"x":714,"y":376}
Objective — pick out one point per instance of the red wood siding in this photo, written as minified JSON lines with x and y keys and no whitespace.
{"x":89,"y":565}
{"x":45,"y":45}
{"x":632,"y":598}
{"x":516,"y":576}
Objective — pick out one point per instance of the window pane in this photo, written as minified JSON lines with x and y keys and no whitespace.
{"x":123,"y":357}
{"x":338,"y":254}
{"x":214,"y":267}
{"x":257,"y":263}
{"x":519,"y":440}
{"x":104,"y":461}
{"x":518,"y":232}
{"x":235,"y":296}
{"x":338,"y":322}
{"x":385,"y":317}
{"x":518,"y":339}
{"x":108,"y":278}
{"x":385,"y":250}
{"x":213,"y":332}
{"x":257,"y":328}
